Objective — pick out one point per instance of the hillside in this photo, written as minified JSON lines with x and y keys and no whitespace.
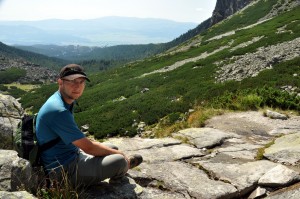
{"x":22,"y":70}
{"x":118,"y":53}
{"x":259,"y":44}
{"x":12,"y":53}
{"x":37,"y":68}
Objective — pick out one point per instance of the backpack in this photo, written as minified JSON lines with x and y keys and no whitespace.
{"x":25,"y":141}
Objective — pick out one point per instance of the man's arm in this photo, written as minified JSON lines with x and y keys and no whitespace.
{"x":95,"y":148}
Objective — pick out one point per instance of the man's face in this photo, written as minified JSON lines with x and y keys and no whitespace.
{"x":72,"y":89}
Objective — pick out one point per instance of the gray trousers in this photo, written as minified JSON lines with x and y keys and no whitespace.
{"x":87,"y":170}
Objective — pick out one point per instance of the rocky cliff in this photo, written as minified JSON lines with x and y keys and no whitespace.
{"x":226,"y":8}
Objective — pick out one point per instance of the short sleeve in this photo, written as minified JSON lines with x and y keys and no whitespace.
{"x":66,"y":128}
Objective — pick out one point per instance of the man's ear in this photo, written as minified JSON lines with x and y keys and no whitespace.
{"x":59,"y":81}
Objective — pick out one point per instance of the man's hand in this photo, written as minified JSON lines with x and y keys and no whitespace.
{"x":94,"y":148}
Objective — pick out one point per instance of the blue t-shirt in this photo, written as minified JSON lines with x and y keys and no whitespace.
{"x":55,"y":119}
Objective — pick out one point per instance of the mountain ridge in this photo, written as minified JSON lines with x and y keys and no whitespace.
{"x":104,"y":31}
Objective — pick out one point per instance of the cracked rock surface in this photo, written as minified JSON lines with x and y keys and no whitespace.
{"x":219,"y":160}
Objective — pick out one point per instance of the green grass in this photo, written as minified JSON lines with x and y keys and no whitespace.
{"x":24,"y":87}
{"x":12,"y":74}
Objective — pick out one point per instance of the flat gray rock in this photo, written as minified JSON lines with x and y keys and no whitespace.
{"x":245,"y":151}
{"x":154,"y":193}
{"x":124,"y":188}
{"x":279,"y":176}
{"x":168,"y":153}
{"x":136,"y":143}
{"x":243,"y":176}
{"x":204,"y":137}
{"x":292,"y":192}
{"x":254,"y":124}
{"x":286,"y":149}
{"x":186,"y":179}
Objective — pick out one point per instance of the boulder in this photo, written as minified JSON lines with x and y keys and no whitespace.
{"x":276,"y":115}
{"x":16,"y":173}
{"x":11,"y":113}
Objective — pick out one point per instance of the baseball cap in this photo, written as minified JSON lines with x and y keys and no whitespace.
{"x":72,"y":71}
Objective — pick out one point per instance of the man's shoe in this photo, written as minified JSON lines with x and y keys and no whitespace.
{"x":135,"y":160}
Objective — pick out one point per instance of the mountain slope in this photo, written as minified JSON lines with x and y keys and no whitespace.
{"x":37,"y":68}
{"x":15,"y":53}
{"x":170,"y":84}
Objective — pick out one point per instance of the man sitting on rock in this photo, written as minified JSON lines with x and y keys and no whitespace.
{"x":84,"y":161}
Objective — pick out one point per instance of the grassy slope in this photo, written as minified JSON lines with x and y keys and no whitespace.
{"x":21,"y":55}
{"x":183,"y":88}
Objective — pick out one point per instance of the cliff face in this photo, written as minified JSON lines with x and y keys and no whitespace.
{"x":225,"y":8}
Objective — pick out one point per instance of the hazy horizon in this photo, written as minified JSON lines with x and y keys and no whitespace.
{"x":195,"y":11}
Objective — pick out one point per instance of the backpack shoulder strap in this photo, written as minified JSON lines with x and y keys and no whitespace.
{"x":46,"y":145}
{"x":49,"y":144}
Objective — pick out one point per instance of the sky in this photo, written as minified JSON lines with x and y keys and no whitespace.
{"x":177,"y":10}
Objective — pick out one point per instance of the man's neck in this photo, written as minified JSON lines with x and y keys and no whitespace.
{"x":66,"y":99}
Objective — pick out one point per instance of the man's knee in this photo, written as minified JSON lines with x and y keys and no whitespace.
{"x":121,"y":161}
{"x":119,"y":167}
